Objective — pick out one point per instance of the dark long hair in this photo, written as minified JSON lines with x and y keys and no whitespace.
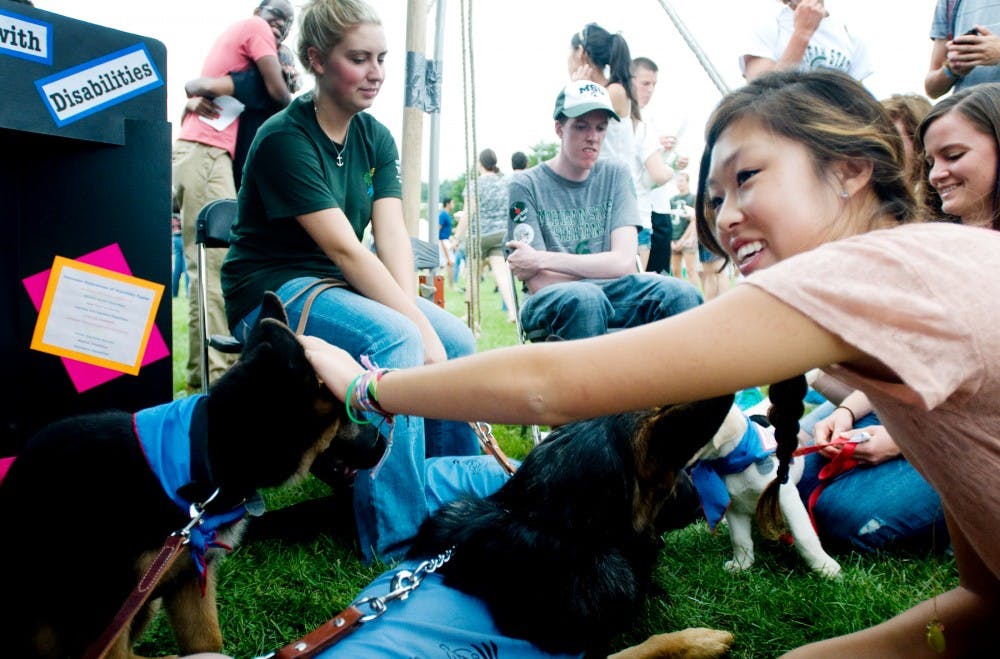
{"x":981,"y":106}
{"x":833,"y":117}
{"x":610,"y":50}
{"x":488,"y":159}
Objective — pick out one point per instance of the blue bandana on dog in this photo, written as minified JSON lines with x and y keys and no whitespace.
{"x":707,"y":474}
{"x":164,"y":434}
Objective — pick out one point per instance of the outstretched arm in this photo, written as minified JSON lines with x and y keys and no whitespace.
{"x":663,"y":362}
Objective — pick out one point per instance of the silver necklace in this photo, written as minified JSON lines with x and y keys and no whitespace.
{"x":347,"y":135}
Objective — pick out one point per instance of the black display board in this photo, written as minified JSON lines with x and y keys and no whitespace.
{"x":84,"y":166}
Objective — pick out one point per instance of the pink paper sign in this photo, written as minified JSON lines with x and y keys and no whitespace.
{"x":87,"y":376}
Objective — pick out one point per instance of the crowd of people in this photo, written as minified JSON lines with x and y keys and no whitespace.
{"x":862,"y":233}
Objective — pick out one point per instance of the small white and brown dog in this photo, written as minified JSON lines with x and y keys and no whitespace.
{"x":732,"y":470}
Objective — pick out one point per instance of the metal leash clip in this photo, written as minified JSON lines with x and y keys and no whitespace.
{"x":403,"y":583}
{"x":196,"y":511}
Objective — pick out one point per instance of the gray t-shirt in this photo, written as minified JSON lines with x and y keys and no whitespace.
{"x":555,"y":214}
{"x":966,"y":15}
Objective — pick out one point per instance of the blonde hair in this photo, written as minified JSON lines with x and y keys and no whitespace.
{"x":325,"y":22}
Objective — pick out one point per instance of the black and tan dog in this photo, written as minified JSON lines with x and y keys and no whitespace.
{"x":562,"y":555}
{"x":84,"y":513}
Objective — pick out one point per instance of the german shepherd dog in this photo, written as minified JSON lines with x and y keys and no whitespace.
{"x":84,"y":513}
{"x":562,"y":554}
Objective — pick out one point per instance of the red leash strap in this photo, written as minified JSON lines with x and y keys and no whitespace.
{"x":844,"y":461}
{"x":323,"y":636}
{"x":164,"y":559}
{"x":813,"y":448}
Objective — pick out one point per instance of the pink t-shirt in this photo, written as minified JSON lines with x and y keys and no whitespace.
{"x":236,"y":49}
{"x":925,"y":300}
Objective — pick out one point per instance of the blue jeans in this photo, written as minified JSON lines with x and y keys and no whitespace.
{"x":879,"y":507}
{"x":449,"y":478}
{"x":180,"y":268}
{"x":389,"y":503}
{"x":590,"y":307}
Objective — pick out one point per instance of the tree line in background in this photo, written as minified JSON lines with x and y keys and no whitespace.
{"x":455,"y":188}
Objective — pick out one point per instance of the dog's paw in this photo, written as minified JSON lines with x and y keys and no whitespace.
{"x":737,"y":566}
{"x":691,"y":643}
{"x":828,"y":568}
{"x":703,"y":643}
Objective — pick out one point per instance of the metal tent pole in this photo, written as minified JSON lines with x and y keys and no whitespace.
{"x":695,"y":48}
{"x":435,"y":138}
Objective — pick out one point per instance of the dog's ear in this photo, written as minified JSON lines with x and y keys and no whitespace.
{"x":674,"y":433}
{"x":271,"y":307}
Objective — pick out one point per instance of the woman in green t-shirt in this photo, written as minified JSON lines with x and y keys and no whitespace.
{"x":318,"y":175}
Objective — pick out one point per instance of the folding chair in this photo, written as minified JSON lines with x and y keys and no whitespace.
{"x":212,"y":232}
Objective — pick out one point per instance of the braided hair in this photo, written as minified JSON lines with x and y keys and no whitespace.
{"x":786,"y":410}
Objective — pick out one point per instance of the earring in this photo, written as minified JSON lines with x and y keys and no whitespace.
{"x":844,"y":194}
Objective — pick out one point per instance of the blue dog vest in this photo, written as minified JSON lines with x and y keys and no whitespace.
{"x":164,"y":434}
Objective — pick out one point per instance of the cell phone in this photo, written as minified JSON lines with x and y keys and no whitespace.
{"x":973,"y":31}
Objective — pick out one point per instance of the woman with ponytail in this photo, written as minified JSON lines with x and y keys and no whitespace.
{"x":802,"y":185}
{"x":597,"y":55}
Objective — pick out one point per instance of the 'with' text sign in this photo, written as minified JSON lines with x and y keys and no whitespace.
{"x":98,"y":84}
{"x":24,"y":37}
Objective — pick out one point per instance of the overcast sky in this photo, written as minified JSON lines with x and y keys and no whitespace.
{"x":520,"y":50}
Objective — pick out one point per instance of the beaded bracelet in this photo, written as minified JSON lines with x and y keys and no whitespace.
{"x":849,"y":411}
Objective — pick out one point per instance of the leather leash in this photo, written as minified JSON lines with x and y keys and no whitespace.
{"x":402,"y":584}
{"x":323,"y":636}
{"x":313,"y":289}
{"x":165,"y":558}
{"x":489,"y":443}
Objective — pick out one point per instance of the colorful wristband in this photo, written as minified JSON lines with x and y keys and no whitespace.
{"x":362,"y":393}
{"x":347,"y":401}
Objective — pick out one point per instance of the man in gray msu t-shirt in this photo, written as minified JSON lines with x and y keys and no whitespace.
{"x":573,"y":233}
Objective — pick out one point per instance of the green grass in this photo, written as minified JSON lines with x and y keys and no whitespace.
{"x":271,"y":592}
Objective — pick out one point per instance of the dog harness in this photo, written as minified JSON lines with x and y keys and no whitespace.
{"x":707,"y":475}
{"x":165,"y":437}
